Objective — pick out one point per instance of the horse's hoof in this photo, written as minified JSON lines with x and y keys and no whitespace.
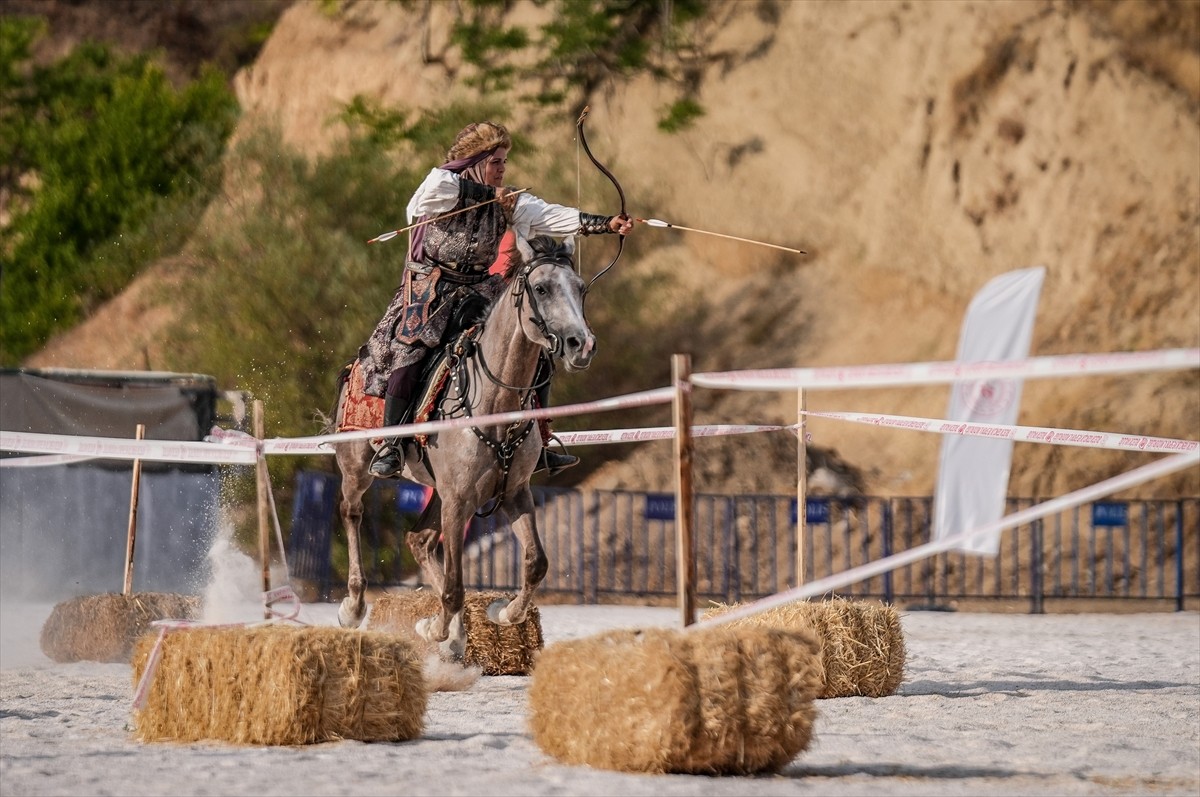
{"x":349,"y":614}
{"x":497,"y":612}
{"x":452,"y":649}
{"x":455,"y":646}
{"x":425,"y":629}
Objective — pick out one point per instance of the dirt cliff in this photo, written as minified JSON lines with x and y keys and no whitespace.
{"x":915,"y":149}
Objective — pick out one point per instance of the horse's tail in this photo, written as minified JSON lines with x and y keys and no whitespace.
{"x":331,"y":421}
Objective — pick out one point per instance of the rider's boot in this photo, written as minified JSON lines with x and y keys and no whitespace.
{"x":555,"y":462}
{"x":389,"y":460}
{"x":551,"y":461}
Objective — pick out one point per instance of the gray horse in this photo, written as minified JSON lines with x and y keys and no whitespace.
{"x":540,"y":315}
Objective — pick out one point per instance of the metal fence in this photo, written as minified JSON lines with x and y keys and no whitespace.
{"x":612,"y":546}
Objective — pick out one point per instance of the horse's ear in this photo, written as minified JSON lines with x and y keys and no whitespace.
{"x":568,"y":244}
{"x":524,"y":248}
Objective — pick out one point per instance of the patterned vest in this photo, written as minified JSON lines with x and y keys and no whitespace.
{"x":467,"y":243}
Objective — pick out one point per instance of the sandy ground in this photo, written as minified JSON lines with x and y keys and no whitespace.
{"x":991,"y":705}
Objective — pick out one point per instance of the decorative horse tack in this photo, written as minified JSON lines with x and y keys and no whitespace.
{"x":542,"y":313}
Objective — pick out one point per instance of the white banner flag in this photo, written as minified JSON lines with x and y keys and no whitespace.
{"x":973,"y":473}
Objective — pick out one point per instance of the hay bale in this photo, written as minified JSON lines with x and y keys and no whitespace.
{"x":495,"y":649}
{"x":280,"y":685}
{"x":105,"y":627}
{"x":705,"y":701}
{"x":862,"y":642}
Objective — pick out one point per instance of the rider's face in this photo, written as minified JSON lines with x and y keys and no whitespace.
{"x":493,"y":168}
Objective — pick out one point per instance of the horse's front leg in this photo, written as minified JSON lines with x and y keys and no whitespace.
{"x":524,"y":525}
{"x":446,"y":628}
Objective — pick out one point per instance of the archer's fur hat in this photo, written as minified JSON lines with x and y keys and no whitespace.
{"x":478,"y":137}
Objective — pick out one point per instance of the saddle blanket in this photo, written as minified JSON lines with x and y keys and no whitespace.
{"x":359,"y":411}
{"x":362,"y":411}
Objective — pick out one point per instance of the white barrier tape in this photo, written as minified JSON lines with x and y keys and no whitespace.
{"x":279,"y":542}
{"x":1025,"y":434}
{"x":117,"y":448}
{"x":278,"y":595}
{"x":142,"y":692}
{"x":655,"y":433}
{"x":231,"y":437}
{"x":313,"y":445}
{"x":934,"y":373}
{"x":231,"y":447}
{"x":42,"y":460}
{"x":822,"y":586}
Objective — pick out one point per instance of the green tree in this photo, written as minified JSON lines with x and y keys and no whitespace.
{"x":587,"y":43}
{"x":95,"y":147}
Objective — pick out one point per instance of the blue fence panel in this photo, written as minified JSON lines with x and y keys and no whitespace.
{"x":621,"y":545}
{"x":314,"y":510}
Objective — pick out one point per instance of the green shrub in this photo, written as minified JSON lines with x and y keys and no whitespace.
{"x":96,"y":147}
{"x":680,"y":115}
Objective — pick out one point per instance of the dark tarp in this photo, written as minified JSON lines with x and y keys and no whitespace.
{"x":63,"y":528}
{"x":107,"y":403}
{"x":63,"y":531}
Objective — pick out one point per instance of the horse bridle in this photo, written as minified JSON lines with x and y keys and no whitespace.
{"x":506,"y":449}
{"x":520,"y":285}
{"x":554,"y":345}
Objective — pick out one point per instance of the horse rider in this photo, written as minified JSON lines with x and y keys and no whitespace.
{"x":448,"y":262}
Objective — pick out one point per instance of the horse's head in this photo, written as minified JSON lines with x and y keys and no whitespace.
{"x":554,"y":315}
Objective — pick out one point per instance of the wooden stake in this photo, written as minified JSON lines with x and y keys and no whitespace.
{"x":264,"y":484}
{"x":801,"y":485}
{"x":685,"y":558}
{"x":131,"y":534}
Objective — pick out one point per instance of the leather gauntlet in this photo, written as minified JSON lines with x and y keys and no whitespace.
{"x":591,"y":224}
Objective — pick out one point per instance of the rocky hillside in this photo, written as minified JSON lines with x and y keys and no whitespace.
{"x":915,"y":150}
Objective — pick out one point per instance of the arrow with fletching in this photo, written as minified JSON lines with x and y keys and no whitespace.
{"x":670,"y":226}
{"x":387,"y":236}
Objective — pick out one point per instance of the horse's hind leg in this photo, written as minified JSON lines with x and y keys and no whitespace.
{"x":524,"y":525}
{"x":447,"y":627}
{"x":424,"y":540}
{"x":355,"y":482}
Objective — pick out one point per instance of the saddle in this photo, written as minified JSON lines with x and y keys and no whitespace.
{"x":363,"y":411}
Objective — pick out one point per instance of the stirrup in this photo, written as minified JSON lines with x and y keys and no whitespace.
{"x":389,"y":460}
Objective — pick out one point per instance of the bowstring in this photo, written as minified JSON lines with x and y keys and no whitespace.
{"x":578,"y":204}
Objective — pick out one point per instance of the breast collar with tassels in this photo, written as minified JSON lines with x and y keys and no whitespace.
{"x":515,"y":434}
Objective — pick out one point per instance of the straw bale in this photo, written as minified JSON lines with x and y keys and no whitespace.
{"x":705,"y":701}
{"x":495,"y":649}
{"x":105,"y":627}
{"x":280,"y":685}
{"x":862,"y":642}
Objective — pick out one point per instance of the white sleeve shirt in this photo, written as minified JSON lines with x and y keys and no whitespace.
{"x":533,"y":216}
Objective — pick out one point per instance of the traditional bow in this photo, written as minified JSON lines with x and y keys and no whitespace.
{"x":612,"y":178}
